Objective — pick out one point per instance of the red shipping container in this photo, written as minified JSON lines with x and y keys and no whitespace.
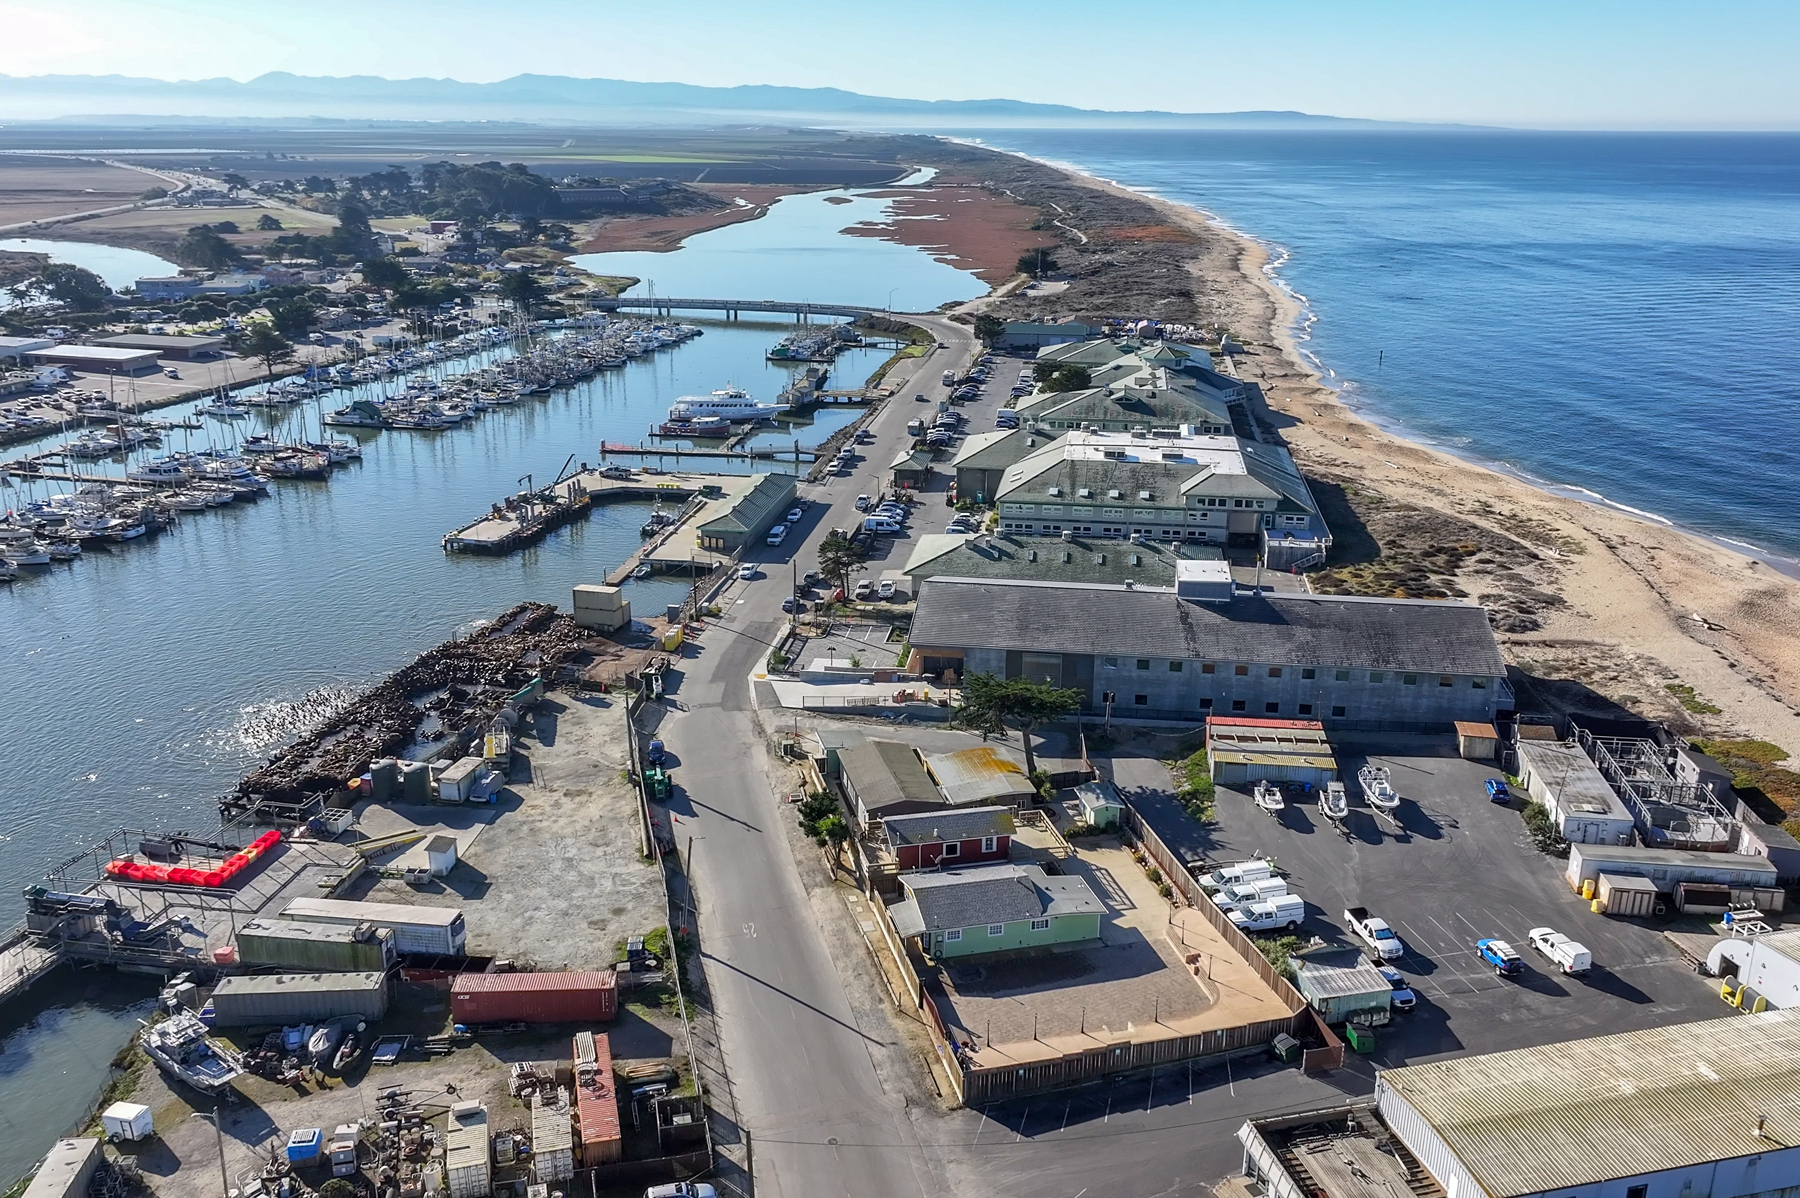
{"x":597,"y":1100}
{"x":591,"y":997}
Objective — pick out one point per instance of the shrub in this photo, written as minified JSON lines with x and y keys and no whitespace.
{"x":1082,"y":828}
{"x":1194,"y":786}
{"x":1154,"y":874}
{"x":1278,"y":951}
{"x":815,"y":809}
{"x":1041,"y":780}
{"x":1543,"y":830}
{"x":777,"y":659}
{"x":1166,"y":890}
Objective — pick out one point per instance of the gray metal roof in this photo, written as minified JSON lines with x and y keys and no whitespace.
{"x":1000,"y":448}
{"x":307,"y":983}
{"x":1147,"y":407}
{"x":765,"y":491}
{"x":1573,"y":779}
{"x":1425,"y":635}
{"x":933,"y":827}
{"x":1091,"y":559}
{"x":1168,"y":467}
{"x":980,"y":774}
{"x":1589,"y":1111}
{"x":1341,"y":975}
{"x":886,"y":774}
{"x":983,"y":894}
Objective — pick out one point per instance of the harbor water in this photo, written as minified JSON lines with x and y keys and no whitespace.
{"x":146,"y":678}
{"x":117,"y":266}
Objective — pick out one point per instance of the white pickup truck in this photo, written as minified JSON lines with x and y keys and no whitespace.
{"x":1284,"y":911}
{"x":1244,"y":893}
{"x":1375,"y":932}
{"x":1253,"y":870}
{"x":1570,"y":956}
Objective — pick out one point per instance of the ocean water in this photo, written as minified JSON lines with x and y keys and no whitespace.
{"x":143,"y":680}
{"x":1613,"y":313}
{"x":117,"y":266}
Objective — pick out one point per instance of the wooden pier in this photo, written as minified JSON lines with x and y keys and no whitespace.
{"x":527,"y":518}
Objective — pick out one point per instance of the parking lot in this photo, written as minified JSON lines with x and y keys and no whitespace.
{"x":1450,"y":868}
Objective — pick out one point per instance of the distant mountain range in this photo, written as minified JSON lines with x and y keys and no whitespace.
{"x":560,"y":98}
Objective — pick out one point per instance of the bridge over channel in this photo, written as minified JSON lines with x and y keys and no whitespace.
{"x":667,"y":306}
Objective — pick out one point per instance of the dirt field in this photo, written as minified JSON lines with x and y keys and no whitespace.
{"x":659,"y":233}
{"x":33,"y":188}
{"x":962,"y":226}
{"x":158,"y":230}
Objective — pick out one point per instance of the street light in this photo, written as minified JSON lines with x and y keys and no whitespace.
{"x":890,"y":303}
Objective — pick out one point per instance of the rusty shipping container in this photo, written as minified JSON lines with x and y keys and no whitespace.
{"x":591,"y":997}
{"x":597,"y":1100}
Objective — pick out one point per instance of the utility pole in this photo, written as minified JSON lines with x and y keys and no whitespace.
{"x":1107,"y":698}
{"x":217,"y":1115}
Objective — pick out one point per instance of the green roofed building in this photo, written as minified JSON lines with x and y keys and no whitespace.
{"x":743,"y":515}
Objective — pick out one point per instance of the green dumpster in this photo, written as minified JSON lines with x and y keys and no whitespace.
{"x":1361,"y":1039}
{"x":1285,"y":1047}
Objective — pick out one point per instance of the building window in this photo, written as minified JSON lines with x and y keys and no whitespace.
{"x":1207,"y":667}
{"x":1377,"y":676}
{"x":1479,"y":684}
{"x":1175,"y":668}
{"x":1337,"y":712}
{"x":1305,"y":709}
{"x":1343,"y":675}
{"x":1445,"y":680}
{"x":953,"y":935}
{"x":1111,"y":663}
{"x":1241,"y":671}
{"x":952,"y":849}
{"x":1143,"y":663}
{"x":1637,"y":1191}
{"x":1309,"y":672}
{"x":1140,"y":700}
{"x":1237,"y":705}
{"x":989,"y":844}
{"x":1410,"y":679}
{"x":996,"y":929}
{"x":1272,"y":708}
{"x":1040,"y":925}
{"x":1274,"y":671}
{"x":1206,"y":705}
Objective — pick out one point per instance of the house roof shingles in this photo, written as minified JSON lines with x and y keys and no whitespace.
{"x":887,"y":774}
{"x":1429,"y":636}
{"x":966,"y":898}
{"x":938,"y":827}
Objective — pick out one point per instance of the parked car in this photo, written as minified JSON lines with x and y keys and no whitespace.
{"x":884,"y":590}
{"x":863,"y":502}
{"x":881,"y":527}
{"x":1502,"y":956}
{"x":795,"y":514}
{"x":1403,"y":998}
{"x":655,"y":753}
{"x":747,"y":570}
{"x":682,"y":1189}
{"x":1497,"y":792}
{"x":1231,"y":875}
{"x":791,"y":604}
{"x":778,"y":534}
{"x":1374,"y":931}
{"x":1242,"y":894}
{"x":1570,"y":956}
{"x":864,"y":589}
{"x":1283,"y":911}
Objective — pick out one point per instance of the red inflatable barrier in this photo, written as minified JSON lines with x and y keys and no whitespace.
{"x":128,"y":869}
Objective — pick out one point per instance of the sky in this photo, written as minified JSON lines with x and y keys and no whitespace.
{"x":1529,"y":63}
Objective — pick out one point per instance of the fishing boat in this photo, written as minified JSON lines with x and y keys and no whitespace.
{"x":696,"y":426}
{"x":642,"y":571}
{"x":181,"y":1048}
{"x":1377,"y":787}
{"x":1268,"y":798}
{"x":659,"y":520}
{"x":1335,"y":802}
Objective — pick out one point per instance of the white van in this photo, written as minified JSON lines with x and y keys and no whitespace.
{"x":1253,"y":870}
{"x":949,"y":378}
{"x":778,"y":534}
{"x":1243,"y":894}
{"x":1285,"y":912}
{"x":881,"y":524}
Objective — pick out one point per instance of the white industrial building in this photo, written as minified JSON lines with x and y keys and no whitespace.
{"x":1698,"y":1110}
{"x":1769,"y":965}
{"x":1581,"y":802}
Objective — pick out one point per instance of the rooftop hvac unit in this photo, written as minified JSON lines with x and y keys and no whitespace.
{"x":1068,"y":535}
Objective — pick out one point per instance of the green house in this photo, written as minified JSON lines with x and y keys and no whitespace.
{"x":995,"y":908}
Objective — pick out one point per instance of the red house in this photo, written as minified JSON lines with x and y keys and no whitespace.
{"x":952,"y":836}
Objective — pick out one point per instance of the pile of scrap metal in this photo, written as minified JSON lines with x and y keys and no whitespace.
{"x":460,"y":685}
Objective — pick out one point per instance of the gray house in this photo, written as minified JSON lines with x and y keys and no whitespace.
{"x":1205,"y":646}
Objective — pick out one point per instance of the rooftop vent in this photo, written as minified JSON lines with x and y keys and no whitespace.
{"x":1137,"y":559}
{"x":1100,"y":559}
{"x":1171,"y":455}
{"x":1131,"y":584}
{"x":1067,"y":556}
{"x":1114,"y":493}
{"x":1145,"y":495}
{"x":1068,"y":535}
{"x":1031,"y":555}
{"x":1056,"y":490}
{"x":1085,"y":492}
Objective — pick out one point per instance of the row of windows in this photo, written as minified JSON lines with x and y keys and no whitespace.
{"x":996,"y":930}
{"x":1301,"y":710}
{"x":1107,"y":530}
{"x":952,"y":848}
{"x":1376,"y":677}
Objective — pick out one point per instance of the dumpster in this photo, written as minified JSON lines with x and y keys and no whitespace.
{"x":1285,"y":1047}
{"x":1361,"y":1039}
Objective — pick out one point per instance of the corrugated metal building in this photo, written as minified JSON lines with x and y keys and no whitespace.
{"x":884,"y":777}
{"x":1650,"y":1114}
{"x":585,"y":997}
{"x":980,"y":776}
{"x":1667,"y":867}
{"x":597,"y":1100}
{"x":1240,"y":751}
{"x":468,"y":1152}
{"x":1343,"y":987}
{"x":271,"y":999}
{"x":315,"y":948}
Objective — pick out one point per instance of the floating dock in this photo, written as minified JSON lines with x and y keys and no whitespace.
{"x":528,"y":517}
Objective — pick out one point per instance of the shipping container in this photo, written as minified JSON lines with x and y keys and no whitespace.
{"x":1627,"y":894}
{"x":316,"y":948}
{"x":457,"y":782}
{"x":466,"y":1151}
{"x":552,"y":1137}
{"x":288,"y":998}
{"x":68,"y":1170}
{"x":591,"y":997}
{"x":426,"y":931}
{"x":597,"y":1100}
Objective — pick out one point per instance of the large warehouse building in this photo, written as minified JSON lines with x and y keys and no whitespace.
{"x":1698,"y":1110}
{"x":1205,"y":647}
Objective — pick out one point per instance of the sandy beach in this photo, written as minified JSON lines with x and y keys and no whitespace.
{"x":1642,"y":606}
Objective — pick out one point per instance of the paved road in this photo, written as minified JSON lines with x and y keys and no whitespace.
{"x":804,"y":1074}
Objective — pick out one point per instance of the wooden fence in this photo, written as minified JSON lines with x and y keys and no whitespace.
{"x":915,"y":992}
